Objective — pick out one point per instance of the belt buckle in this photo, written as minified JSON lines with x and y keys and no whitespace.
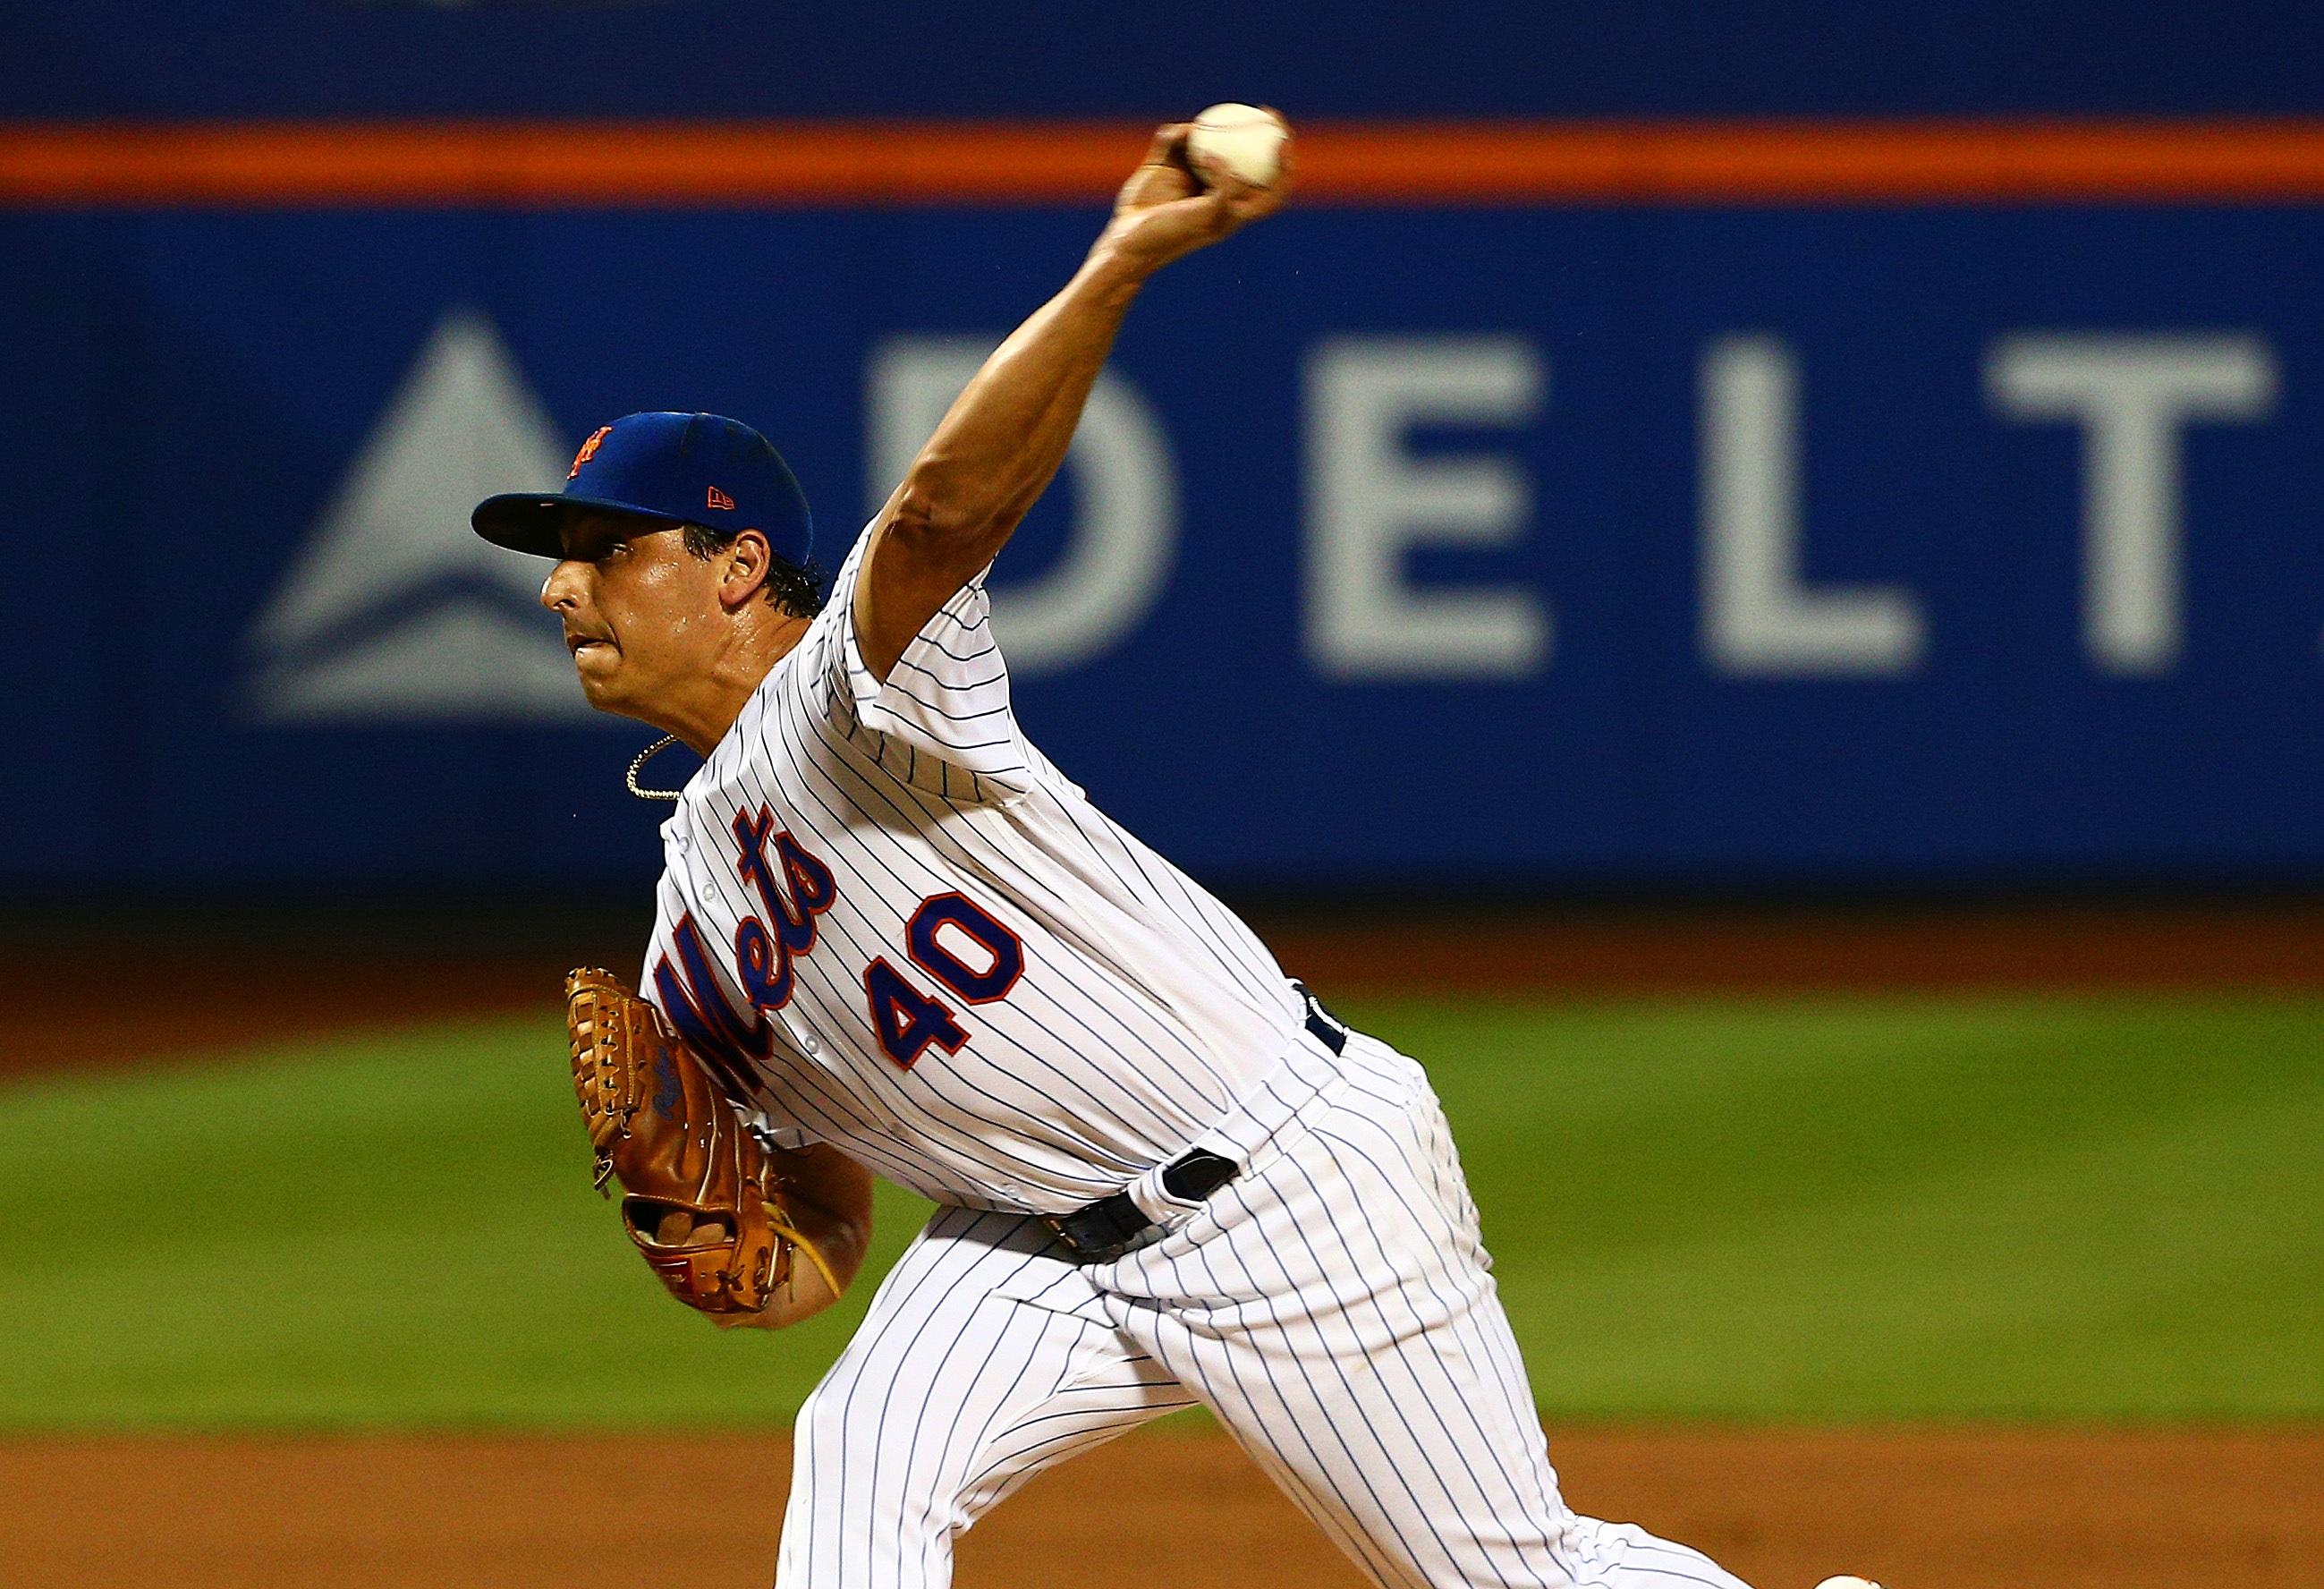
{"x":1059,"y":1229}
{"x":1325,"y":1026}
{"x":1192,"y":1177}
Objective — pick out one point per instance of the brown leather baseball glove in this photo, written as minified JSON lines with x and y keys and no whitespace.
{"x":701,"y":1199}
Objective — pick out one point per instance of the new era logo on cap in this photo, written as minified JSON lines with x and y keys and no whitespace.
{"x":719,"y":499}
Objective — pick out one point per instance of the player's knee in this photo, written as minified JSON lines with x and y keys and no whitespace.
{"x":819,"y":1435}
{"x":855,"y":1509}
{"x":825,"y":1410}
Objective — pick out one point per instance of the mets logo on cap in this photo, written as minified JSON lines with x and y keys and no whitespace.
{"x":588,"y":450}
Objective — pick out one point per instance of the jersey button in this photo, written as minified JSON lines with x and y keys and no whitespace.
{"x":809,"y":1043}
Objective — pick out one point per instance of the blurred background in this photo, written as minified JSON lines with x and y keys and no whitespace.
{"x":1745,"y":581}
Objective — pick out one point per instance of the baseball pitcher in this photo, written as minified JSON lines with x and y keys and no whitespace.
{"x":893,"y":938}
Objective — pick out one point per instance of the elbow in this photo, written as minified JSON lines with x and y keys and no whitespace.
{"x":816,"y":1279}
{"x":780,"y":1314}
{"x":806,"y":1292}
{"x":926,"y":510}
{"x":947,"y":522}
{"x":841,"y":1246}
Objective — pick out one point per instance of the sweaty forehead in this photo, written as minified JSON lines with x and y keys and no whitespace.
{"x":588,"y":534}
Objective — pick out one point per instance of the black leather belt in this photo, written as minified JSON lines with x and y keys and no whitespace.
{"x":1326,"y":1028}
{"x":1106,"y":1229}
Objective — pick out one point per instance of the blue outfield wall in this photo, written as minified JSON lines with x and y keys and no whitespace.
{"x":1532,"y":545}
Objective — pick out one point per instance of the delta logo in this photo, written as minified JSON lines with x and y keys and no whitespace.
{"x":394,"y":611}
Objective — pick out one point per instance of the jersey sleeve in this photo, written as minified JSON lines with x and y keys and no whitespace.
{"x":943,"y":719}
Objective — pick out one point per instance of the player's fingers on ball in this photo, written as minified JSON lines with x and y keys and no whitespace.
{"x":1267,"y":199}
{"x":1169,"y":146}
{"x":1220,"y":177}
{"x":1206,"y":169}
{"x":1250,"y":203}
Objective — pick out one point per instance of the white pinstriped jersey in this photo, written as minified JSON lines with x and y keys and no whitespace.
{"x":902,"y":931}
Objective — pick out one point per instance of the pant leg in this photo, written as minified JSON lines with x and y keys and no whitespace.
{"x":1334,"y":1308}
{"x":949,"y":1397}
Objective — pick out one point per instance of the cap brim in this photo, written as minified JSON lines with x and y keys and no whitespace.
{"x":529,"y":522}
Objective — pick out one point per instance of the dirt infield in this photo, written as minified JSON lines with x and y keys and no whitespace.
{"x":200,"y":989}
{"x":1961,"y":1510}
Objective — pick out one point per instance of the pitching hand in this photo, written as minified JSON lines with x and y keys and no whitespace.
{"x":1168,"y":208}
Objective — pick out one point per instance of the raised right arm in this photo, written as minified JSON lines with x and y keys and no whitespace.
{"x":1001,"y":442}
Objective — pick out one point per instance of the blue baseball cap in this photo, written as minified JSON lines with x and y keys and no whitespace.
{"x":674,"y":468}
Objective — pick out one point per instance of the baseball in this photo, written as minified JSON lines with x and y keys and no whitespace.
{"x":1242,"y":139}
{"x":1845,"y":1582}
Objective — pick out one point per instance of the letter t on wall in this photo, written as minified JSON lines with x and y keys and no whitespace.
{"x":2131,"y":393}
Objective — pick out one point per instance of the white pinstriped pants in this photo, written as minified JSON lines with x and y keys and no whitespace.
{"x":1331,"y":1305}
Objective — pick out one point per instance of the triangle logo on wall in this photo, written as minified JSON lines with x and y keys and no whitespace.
{"x":396,"y":610}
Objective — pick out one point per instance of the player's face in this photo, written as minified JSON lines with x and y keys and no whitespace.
{"x":638,"y":611}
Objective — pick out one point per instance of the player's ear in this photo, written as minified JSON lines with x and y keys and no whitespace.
{"x":745,"y":566}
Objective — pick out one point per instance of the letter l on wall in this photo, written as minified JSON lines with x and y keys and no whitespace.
{"x":1759,"y":615}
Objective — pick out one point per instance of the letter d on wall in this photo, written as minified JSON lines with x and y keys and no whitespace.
{"x":1125,"y":499}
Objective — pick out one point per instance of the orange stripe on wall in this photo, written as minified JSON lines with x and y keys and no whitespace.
{"x":760,"y":164}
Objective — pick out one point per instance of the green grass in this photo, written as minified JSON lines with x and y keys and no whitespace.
{"x":2042,"y":1208}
